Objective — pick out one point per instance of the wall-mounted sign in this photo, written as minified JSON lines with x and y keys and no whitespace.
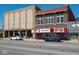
{"x":44,"y":30}
{"x":48,"y":30}
{"x":58,"y":29}
{"x":36,"y":30}
{"x":75,"y":25}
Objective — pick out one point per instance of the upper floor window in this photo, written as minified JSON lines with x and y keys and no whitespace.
{"x":60,"y":18}
{"x":39,"y":21}
{"x":49,"y":19}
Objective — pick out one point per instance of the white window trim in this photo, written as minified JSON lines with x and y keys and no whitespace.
{"x":39,"y":19}
{"x":50,"y":20}
{"x":59,"y":19}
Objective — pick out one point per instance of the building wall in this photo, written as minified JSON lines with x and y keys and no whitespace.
{"x":11,"y":21}
{"x":30,"y":19}
{"x":17,"y":19}
{"x":71,"y":16}
{"x":6,"y":19}
{"x":23,"y":19}
{"x":55,"y":27}
{"x":20,"y":19}
{"x":54,"y":24}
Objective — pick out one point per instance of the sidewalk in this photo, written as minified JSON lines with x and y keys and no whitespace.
{"x":64,"y":42}
{"x":27,"y":39}
{"x":32,"y":39}
{"x":71,"y":42}
{"x":6,"y":38}
{"x":40,"y":40}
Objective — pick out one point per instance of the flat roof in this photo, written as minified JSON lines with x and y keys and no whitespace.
{"x":19,"y":9}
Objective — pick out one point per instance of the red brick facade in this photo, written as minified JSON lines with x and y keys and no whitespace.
{"x":68,"y":16}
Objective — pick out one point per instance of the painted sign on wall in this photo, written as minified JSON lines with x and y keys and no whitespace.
{"x":58,"y":29}
{"x":47,"y":30}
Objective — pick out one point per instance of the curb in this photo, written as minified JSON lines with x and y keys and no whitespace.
{"x":33,"y":40}
{"x":73,"y":43}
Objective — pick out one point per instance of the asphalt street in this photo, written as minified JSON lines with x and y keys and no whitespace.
{"x":16,"y":47}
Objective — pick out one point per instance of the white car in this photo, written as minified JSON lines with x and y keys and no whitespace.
{"x":15,"y":38}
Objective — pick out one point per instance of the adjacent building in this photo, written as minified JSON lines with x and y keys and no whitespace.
{"x":73,"y":29}
{"x":1,"y":33}
{"x":53,"y":22}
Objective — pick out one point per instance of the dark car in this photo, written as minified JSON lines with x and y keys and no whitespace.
{"x":53,"y":37}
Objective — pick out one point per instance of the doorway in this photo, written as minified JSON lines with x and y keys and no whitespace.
{"x":29,"y":34}
{"x":11,"y":33}
{"x":16,"y":33}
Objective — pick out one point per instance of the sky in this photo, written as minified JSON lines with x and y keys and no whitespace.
{"x":9,"y":7}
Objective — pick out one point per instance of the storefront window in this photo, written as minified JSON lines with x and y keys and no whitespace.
{"x":62,"y":19}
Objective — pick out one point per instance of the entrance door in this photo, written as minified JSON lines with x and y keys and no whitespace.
{"x":29,"y":34}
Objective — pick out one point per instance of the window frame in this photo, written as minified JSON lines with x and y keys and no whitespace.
{"x":39,"y":21}
{"x":48,"y":19}
{"x":60,"y":20}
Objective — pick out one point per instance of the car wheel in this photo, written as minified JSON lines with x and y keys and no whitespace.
{"x":58,"y":40}
{"x":46,"y":40}
{"x":10,"y":39}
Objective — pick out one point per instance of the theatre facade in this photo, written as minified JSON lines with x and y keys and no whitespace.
{"x":20,"y":22}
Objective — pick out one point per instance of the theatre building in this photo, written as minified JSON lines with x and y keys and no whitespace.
{"x":53,"y":21}
{"x":20,"y":22}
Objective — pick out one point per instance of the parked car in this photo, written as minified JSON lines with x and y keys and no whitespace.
{"x":15,"y":38}
{"x":53,"y":37}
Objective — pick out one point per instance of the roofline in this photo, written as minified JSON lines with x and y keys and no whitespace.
{"x":53,"y":9}
{"x":19,"y":9}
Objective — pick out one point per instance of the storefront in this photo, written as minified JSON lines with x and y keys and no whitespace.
{"x":41,"y":33}
{"x":73,"y":29}
{"x":53,"y":22}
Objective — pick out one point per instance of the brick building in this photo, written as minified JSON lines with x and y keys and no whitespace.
{"x":53,"y":21}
